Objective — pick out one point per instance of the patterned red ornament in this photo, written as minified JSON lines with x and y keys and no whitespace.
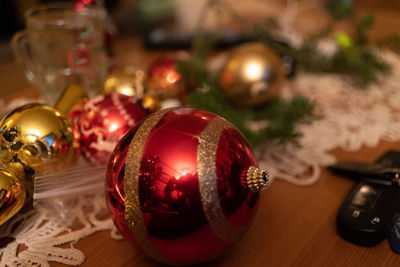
{"x":182,"y":186}
{"x":99,"y":123}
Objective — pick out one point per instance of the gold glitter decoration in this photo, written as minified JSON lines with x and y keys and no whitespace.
{"x":207,"y":173}
{"x":257,"y":179}
{"x":133,"y":214}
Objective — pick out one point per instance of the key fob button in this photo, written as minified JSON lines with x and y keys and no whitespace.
{"x":356,"y":213}
{"x":375,"y":220}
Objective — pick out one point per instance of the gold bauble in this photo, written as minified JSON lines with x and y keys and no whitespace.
{"x":12,"y":195}
{"x":252,"y":75}
{"x":39,"y":139}
{"x":126,"y":81}
{"x":151,"y":103}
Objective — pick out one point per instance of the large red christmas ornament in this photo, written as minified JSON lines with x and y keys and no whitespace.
{"x":182,"y":186}
{"x":164,"y":80}
{"x":99,"y":123}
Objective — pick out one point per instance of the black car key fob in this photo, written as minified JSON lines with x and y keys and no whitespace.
{"x":368,"y":213}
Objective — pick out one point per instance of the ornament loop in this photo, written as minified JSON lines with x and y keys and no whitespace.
{"x":256,"y":179}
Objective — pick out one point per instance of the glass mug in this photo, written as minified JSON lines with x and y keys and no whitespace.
{"x":61,"y":46}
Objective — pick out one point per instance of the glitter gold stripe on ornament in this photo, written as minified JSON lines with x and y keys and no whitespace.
{"x":207,"y":173}
{"x":133,"y":213}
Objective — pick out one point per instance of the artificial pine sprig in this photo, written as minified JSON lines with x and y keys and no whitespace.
{"x":278,"y":118}
{"x":356,"y":60}
{"x":352,"y":58}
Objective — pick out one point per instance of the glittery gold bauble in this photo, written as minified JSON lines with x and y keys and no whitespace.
{"x":126,"y":81}
{"x":12,"y":195}
{"x":252,"y":75}
{"x":39,"y":139}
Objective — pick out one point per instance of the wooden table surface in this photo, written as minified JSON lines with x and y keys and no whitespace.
{"x":295,"y":225}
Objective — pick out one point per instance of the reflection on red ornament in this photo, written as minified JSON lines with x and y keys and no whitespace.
{"x":100,"y":122}
{"x":175,"y":186}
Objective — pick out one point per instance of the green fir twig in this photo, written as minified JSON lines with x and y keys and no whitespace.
{"x":278,"y":118}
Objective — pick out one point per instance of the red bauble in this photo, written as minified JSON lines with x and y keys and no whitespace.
{"x":181,"y":187}
{"x":100,"y":122}
{"x":164,"y":80}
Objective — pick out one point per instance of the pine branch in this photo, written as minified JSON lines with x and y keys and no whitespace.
{"x":280,"y":117}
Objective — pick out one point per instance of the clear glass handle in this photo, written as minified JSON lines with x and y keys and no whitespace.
{"x":20,"y":45}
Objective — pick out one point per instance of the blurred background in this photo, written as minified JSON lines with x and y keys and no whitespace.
{"x":153,"y":25}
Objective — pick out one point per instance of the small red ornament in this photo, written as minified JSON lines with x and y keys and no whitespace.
{"x":164,"y":80}
{"x":100,"y":122}
{"x":182,"y":186}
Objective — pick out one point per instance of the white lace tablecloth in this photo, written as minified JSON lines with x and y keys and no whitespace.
{"x":350,"y":119}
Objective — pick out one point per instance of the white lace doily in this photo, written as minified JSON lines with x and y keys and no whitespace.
{"x":351,"y":118}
